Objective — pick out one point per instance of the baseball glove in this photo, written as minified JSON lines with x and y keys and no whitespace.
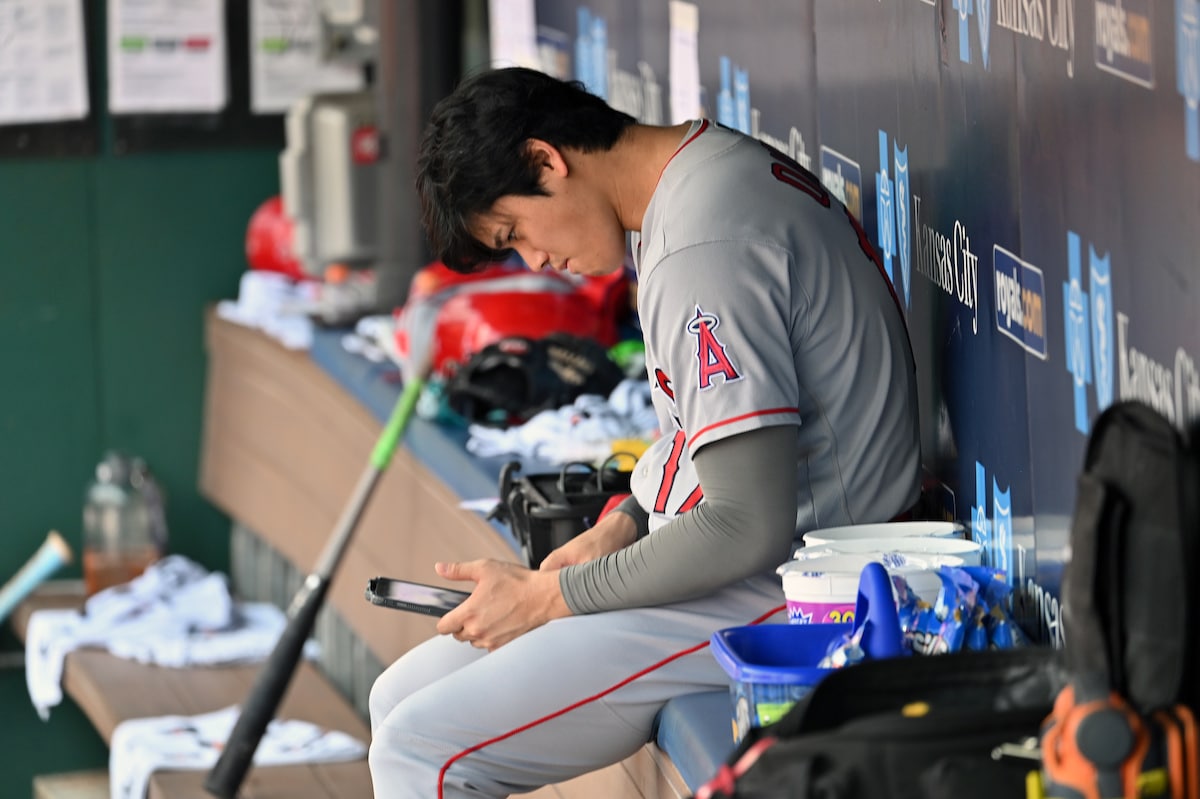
{"x":511,"y":380}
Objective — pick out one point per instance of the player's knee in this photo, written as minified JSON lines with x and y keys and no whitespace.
{"x":379,"y":758}
{"x":386,"y":754}
{"x":408,"y":738}
{"x":427,"y":721}
{"x":398,"y":769}
{"x":388,"y":690}
{"x":424,"y":714}
{"x":412,"y":744}
{"x":398,"y":682}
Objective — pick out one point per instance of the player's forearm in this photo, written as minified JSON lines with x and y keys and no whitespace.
{"x":744,"y":527}
{"x":630,"y":507}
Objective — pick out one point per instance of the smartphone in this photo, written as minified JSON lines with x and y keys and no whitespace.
{"x":414,"y":597}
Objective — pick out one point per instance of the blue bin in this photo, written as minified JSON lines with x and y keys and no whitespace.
{"x":774,"y":665}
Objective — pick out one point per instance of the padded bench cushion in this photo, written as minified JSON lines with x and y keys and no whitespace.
{"x":695,"y":731}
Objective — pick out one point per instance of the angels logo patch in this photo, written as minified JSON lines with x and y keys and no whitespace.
{"x":711,"y":357}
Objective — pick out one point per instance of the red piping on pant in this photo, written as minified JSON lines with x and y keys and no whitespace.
{"x":580,"y":703}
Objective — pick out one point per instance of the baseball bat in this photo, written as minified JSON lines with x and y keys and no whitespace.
{"x":273,"y":679}
{"x":50,"y":556}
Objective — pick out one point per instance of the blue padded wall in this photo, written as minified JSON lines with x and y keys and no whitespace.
{"x":1030,"y":170}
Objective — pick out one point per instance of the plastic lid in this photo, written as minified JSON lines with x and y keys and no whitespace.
{"x":854,"y":562}
{"x":885,"y":530}
{"x":918,"y":545}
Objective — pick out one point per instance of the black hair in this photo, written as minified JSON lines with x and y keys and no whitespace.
{"x":473,"y":151}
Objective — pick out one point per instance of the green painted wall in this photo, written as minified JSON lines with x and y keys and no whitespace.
{"x":169,"y":233}
{"x":50,"y":413}
{"x":106,"y":266}
{"x":68,"y":742}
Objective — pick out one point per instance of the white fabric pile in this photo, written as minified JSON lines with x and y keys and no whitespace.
{"x":175,"y":614}
{"x":274,"y":304}
{"x":582,"y":431}
{"x":142,"y":746}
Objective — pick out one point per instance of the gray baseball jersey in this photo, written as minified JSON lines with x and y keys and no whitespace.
{"x":763,"y":304}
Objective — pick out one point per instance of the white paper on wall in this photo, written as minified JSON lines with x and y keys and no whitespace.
{"x":285,"y":56}
{"x":167,"y":56}
{"x":43,"y":73}
{"x":512,"y":30}
{"x":684,"y":61}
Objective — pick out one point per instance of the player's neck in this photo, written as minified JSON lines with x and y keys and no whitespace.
{"x":633,"y":166}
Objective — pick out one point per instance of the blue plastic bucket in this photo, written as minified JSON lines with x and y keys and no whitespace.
{"x":772,"y":666}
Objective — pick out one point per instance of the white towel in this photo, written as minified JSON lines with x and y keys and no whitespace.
{"x":141,"y":746}
{"x":175,"y":614}
{"x":581,"y":431}
{"x":274,"y":304}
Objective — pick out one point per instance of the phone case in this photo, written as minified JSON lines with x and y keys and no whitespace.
{"x":426,"y":599}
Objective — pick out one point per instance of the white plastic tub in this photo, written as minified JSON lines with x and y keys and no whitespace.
{"x":824,"y":590}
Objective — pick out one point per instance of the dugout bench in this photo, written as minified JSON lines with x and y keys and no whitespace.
{"x":286,"y":435}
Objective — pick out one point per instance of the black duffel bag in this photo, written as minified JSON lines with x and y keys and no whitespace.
{"x":945,"y":726}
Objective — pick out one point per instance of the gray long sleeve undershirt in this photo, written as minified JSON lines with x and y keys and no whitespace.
{"x":630,"y":507}
{"x":744,"y":527}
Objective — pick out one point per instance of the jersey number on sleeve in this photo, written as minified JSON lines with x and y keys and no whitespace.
{"x":670,"y":471}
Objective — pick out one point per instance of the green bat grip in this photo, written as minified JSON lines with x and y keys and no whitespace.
{"x":385,"y":447}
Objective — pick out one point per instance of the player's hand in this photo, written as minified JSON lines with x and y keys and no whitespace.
{"x":508,"y":601}
{"x":615,"y":531}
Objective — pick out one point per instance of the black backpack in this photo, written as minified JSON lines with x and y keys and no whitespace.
{"x":1129,"y":588}
{"x":1127,"y":716}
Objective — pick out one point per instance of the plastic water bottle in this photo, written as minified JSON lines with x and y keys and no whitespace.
{"x":124,"y":523}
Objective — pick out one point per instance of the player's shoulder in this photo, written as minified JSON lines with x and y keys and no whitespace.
{"x":718,"y":186}
{"x":708,"y":168}
{"x":713,"y":149}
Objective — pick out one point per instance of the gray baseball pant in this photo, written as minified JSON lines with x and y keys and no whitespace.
{"x":450,"y":721}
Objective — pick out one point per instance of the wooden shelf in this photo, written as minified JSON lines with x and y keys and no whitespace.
{"x":110,"y":690}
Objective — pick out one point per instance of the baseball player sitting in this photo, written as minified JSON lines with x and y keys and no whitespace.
{"x":783,"y":381}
